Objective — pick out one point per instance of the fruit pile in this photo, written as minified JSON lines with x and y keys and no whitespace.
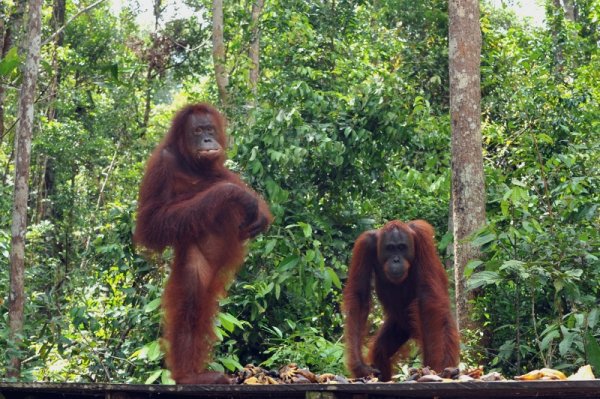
{"x":292,"y":374}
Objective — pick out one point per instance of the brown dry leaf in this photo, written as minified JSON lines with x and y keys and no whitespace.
{"x":494,"y":376}
{"x":475,"y":373}
{"x":430,"y":378}
{"x":325,"y":377}
{"x":261,"y":379}
{"x":450,"y":373}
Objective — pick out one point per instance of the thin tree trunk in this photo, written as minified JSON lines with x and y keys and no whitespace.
{"x":153,"y":70}
{"x":219,"y":52}
{"x":4,"y":46}
{"x":148,"y":99}
{"x":254,"y":51}
{"x":555,"y":17}
{"x":22,"y":160}
{"x":45,"y":180}
{"x":468,"y":185}
{"x":450,"y":248}
{"x":58,"y":20}
{"x":62,"y":28}
{"x":569,"y":6}
{"x":157,"y":10}
{"x":10,"y":31}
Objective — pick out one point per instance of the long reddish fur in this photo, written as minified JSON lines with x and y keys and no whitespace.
{"x":420,"y":304}
{"x":197,"y":208}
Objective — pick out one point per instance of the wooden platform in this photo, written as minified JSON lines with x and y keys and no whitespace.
{"x":454,"y":390}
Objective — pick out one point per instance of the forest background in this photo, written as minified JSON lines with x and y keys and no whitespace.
{"x":346,"y":127}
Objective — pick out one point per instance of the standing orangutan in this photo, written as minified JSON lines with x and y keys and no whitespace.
{"x":190,"y":201}
{"x":412,"y":288}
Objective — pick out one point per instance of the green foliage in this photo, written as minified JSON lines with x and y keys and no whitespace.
{"x":541,"y":245}
{"x":10,"y":62}
{"x":349,"y":128}
{"x":307,"y":347}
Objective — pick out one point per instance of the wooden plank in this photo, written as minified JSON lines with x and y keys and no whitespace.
{"x":453,"y":390}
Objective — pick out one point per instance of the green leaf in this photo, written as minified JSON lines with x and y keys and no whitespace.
{"x":267,"y":289}
{"x":231,"y":364}
{"x":256,"y":167}
{"x":216,"y":366}
{"x":593,"y":318}
{"x":592,"y":351}
{"x":334,"y":277}
{"x":537,"y":226}
{"x":559,"y":285}
{"x":518,"y":183}
{"x":269,"y":247}
{"x":153,"y":351}
{"x":10,"y":61}
{"x":153,"y":377}
{"x":152,"y":305}
{"x":445,"y":241}
{"x":481,"y":240}
{"x":574,"y":273}
{"x":471,"y":266}
{"x":277,"y":331}
{"x":277,"y":291}
{"x":306,"y":229}
{"x":567,"y":342}
{"x":229,"y":322}
{"x":504,"y":207}
{"x":291,"y":324}
{"x":481,"y":279}
{"x":548,"y":338}
{"x":545,"y":138}
{"x":512,"y":264}
{"x":165,"y":378}
{"x":289,"y":262}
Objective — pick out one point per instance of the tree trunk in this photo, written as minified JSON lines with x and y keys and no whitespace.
{"x":9,"y":32}
{"x":5,"y":39}
{"x":468,"y":185}
{"x":254,"y":51}
{"x":45,"y":179}
{"x":148,"y":99}
{"x":58,"y":20}
{"x":151,"y":73}
{"x":555,"y":18}
{"x":23,"y":155}
{"x":219,"y":52}
{"x":4,"y":46}
{"x":569,"y":6}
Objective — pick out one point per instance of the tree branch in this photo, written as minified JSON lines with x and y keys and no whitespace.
{"x":58,"y":32}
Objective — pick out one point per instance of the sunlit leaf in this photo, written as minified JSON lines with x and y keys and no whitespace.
{"x":10,"y":62}
{"x":152,"y":305}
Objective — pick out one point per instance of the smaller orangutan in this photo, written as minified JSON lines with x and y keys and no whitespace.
{"x":191,"y":202}
{"x":412,"y":287}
